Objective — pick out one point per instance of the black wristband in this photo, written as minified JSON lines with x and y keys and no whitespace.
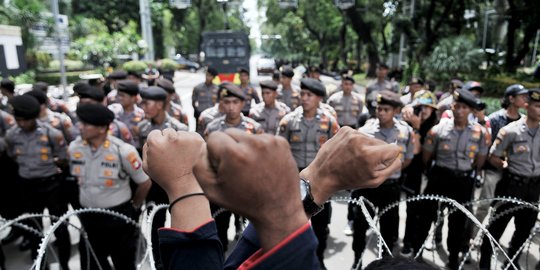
{"x":183,"y":197}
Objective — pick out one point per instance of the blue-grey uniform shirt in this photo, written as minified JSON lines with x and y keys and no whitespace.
{"x":269,"y":117}
{"x":307,"y":136}
{"x":6,"y":122}
{"x":204,"y":96}
{"x":36,"y":151}
{"x":146,"y":126}
{"x":206,"y":117}
{"x":348,"y":108}
{"x":291,"y":97}
{"x":103,"y":175}
{"x":456,"y":149}
{"x":400,"y":134}
{"x":521,"y":147}
{"x":246,"y":124}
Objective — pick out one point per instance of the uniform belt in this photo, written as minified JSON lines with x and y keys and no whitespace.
{"x":53,"y":177}
{"x":454,"y":173}
{"x":532,"y":180}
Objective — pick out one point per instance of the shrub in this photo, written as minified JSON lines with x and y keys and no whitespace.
{"x":136,"y":66}
{"x":167,"y":65}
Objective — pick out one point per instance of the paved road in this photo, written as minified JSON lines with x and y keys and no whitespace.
{"x":339,"y":254}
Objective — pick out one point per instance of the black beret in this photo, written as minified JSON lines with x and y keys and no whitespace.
{"x":389,"y":98}
{"x":95,"y":114}
{"x":382,"y":65}
{"x":269,"y":84}
{"x":166,"y":85}
{"x":88,"y":91}
{"x":288,"y":72}
{"x":212,"y":71}
{"x":243,"y":70}
{"x":415,"y":80}
{"x":314,"y":86}
{"x":8,"y":85}
{"x":230,"y":90}
{"x":534,"y":94}
{"x":466,"y":97}
{"x":25,"y":106}
{"x":473,"y":85}
{"x":129,"y":87}
{"x":154,"y":93}
{"x":314,"y":69}
{"x":40,"y":86}
{"x":348,"y":78}
{"x":40,"y":96}
{"x":118,"y":75}
{"x":134,"y":74}
{"x":79,"y":86}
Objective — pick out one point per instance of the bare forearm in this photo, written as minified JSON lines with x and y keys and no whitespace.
{"x":496,"y":161}
{"x":141,"y":192}
{"x":191,"y":212}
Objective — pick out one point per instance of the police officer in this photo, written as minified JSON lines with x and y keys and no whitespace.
{"x":208,"y":115}
{"x":7,"y":88}
{"x":458,"y":148}
{"x":126,"y":110}
{"x":174,"y":109}
{"x":386,"y":128}
{"x":269,"y":112}
{"x":39,"y":150}
{"x":57,"y":120}
{"x":515,"y":98}
{"x":415,"y":84}
{"x":287,"y":93}
{"x":518,"y":142}
{"x":204,"y":94}
{"x":348,"y":104}
{"x":104,"y":166}
{"x":382,"y":83}
{"x":111,"y":86}
{"x":154,"y":103}
{"x":306,"y":130}
{"x":249,"y":91}
{"x":56,"y":105}
{"x":232,"y":100}
{"x":88,"y":94}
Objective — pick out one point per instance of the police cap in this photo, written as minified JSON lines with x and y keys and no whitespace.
{"x":40,"y":86}
{"x":269,"y":84}
{"x":154,"y":93}
{"x":95,"y":114}
{"x":473,"y":85}
{"x":85,"y":90}
{"x":118,"y":75}
{"x":212,"y":71}
{"x":25,"y":106}
{"x":129,"y":87}
{"x":314,"y":86}
{"x":534,"y":95}
{"x":166,"y":85}
{"x":389,"y":98}
{"x":515,"y":89}
{"x":466,"y":97}
{"x":40,"y":96}
{"x":288,"y":72}
{"x":230,"y":90}
{"x":8,"y":84}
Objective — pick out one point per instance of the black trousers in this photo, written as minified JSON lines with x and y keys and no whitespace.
{"x":41,"y":193}
{"x":412,"y":182}
{"x":446,"y":183}
{"x":320,"y":222}
{"x":109,"y":236}
{"x":524,"y":219}
{"x":381,"y":197}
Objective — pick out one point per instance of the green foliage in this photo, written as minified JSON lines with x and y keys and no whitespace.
{"x":54,"y":77}
{"x":27,"y":77}
{"x":116,"y":15}
{"x":453,"y":57}
{"x":69,"y":64}
{"x":496,"y":85}
{"x":167,"y":65}
{"x":43,"y":59}
{"x":136,"y":66}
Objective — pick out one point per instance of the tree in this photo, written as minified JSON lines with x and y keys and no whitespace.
{"x":523,"y":22}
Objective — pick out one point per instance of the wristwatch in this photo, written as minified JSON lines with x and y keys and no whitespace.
{"x":310,"y":206}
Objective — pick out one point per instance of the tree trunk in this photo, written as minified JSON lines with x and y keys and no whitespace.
{"x":513,"y":24}
{"x":342,"y":44}
{"x":364,"y":32}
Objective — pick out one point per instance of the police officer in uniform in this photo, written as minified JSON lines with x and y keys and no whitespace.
{"x":204,"y":94}
{"x":306,"y":130}
{"x":382,"y":83}
{"x":459,"y":149}
{"x":348,"y":104}
{"x":518,"y":142}
{"x":208,"y":115}
{"x":104,"y":165}
{"x":154,"y":103}
{"x":88,"y":94}
{"x":39,"y":150}
{"x":287,"y":93}
{"x":232,"y":99}
{"x":269,"y":112}
{"x":7,"y":88}
{"x":126,"y":110}
{"x":388,"y":129}
{"x":174,"y":109}
{"x":248,"y":90}
{"x":112,"y":85}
